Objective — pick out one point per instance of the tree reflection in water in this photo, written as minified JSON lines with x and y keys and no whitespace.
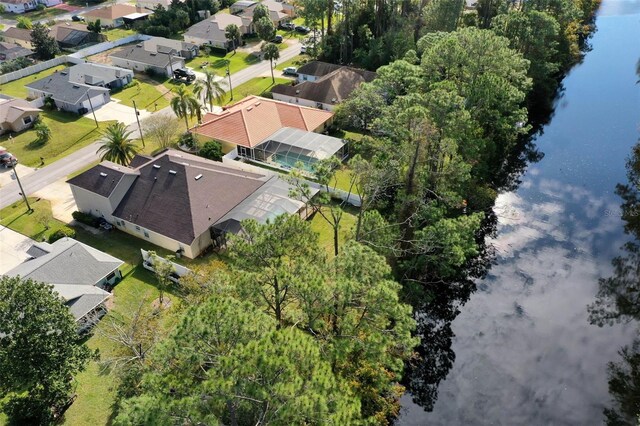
{"x":618,"y":300}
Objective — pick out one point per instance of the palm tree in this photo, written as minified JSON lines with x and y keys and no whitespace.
{"x":271,"y":52}
{"x":117,"y":146}
{"x":209,"y":88}
{"x":185,"y":105}
{"x":232,"y":33}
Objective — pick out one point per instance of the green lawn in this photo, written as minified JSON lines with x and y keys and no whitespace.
{"x":69,"y":132}
{"x":17,"y":218}
{"x":325,"y":230}
{"x":144,"y":94}
{"x":118,"y":33}
{"x":255,"y":86}
{"x":218,"y":61}
{"x":296,"y":61}
{"x":342,"y":180}
{"x":16,"y":88}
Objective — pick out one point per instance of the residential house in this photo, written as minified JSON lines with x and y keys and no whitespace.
{"x":16,"y":115}
{"x":67,"y":35}
{"x":82,"y":87}
{"x":70,"y":36}
{"x":241,"y":5}
{"x":324,"y":92}
{"x":152,"y":4}
{"x":80,"y":274}
{"x":11,"y":51}
{"x":249,"y":122}
{"x":19,"y":36}
{"x":278,"y":11}
{"x":211,"y":31}
{"x":19,"y":6}
{"x":138,"y":58}
{"x":175,"y":47}
{"x":114,"y":16}
{"x":179,"y":201}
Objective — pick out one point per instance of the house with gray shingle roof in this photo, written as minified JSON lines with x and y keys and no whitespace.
{"x":80,"y":87}
{"x":80,"y":274}
{"x":139,"y":58}
{"x":16,"y":115}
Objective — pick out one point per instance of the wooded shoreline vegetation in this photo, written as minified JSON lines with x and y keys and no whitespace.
{"x":285,"y":334}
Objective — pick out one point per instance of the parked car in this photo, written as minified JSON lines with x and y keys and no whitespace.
{"x":184,"y":73}
{"x":76,"y":18}
{"x":303,"y":49}
{"x":290,"y":71}
{"x":287,"y":26}
{"x":277,"y":39}
{"x":302,"y":29}
{"x":7,"y":159}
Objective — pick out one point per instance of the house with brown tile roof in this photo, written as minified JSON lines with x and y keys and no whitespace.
{"x":325,"y":92}
{"x":114,"y":15}
{"x":180,"y":201}
{"x":248,"y":122}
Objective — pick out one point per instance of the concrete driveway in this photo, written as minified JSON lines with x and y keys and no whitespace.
{"x":6,"y":175}
{"x":13,"y":249}
{"x":62,"y":202}
{"x":114,"y":110}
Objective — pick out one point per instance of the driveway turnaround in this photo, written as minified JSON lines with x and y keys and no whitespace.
{"x":13,"y":249}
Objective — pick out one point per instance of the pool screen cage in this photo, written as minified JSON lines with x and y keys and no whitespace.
{"x":288,"y":146}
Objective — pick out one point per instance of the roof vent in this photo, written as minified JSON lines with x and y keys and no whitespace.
{"x":103,"y":174}
{"x":258,"y":103}
{"x":173,"y":172}
{"x":156,"y":166}
{"x":198,"y":177}
{"x":153,"y":54}
{"x":250,"y":108}
{"x":139,"y":45}
{"x":63,"y":72}
{"x":76,"y":87}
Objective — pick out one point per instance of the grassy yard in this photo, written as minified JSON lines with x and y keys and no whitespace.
{"x":17,"y":218}
{"x":118,"y":33}
{"x":325,"y":230}
{"x":16,"y":88}
{"x":342,"y":179}
{"x":145,"y":95}
{"x":297,"y":61}
{"x":69,"y":132}
{"x":218,"y":61}
{"x":255,"y":86}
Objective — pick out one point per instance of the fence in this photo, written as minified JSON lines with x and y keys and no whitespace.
{"x":75,"y":58}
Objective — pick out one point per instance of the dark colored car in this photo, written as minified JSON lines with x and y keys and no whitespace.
{"x":288,"y":26}
{"x":184,"y":73}
{"x":277,"y":39}
{"x":76,"y":18}
{"x":7,"y":159}
{"x":302,"y":29}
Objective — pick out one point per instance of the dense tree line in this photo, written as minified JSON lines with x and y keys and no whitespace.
{"x":167,"y":22}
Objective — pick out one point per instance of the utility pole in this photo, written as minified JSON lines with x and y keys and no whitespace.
{"x":94,"y":113}
{"x":230,"y":87}
{"x":138,"y":120}
{"x":24,"y":196}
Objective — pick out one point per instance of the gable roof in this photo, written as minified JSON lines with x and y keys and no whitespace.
{"x":18,"y":33}
{"x":138,"y":53}
{"x":319,"y":69}
{"x":275,"y":10}
{"x":95,"y":74}
{"x":252,"y":119}
{"x":330,"y":89}
{"x":178,"y":205}
{"x":58,"y":86}
{"x":166,"y":45}
{"x":68,"y":263}
{"x":11,"y":51}
{"x":213,"y":28}
{"x":114,"y":11}
{"x":12,"y":109}
{"x":102,"y":179}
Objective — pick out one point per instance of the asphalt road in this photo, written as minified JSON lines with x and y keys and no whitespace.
{"x":37,"y":180}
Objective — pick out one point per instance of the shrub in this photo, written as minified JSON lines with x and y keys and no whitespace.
{"x":211,"y":150}
{"x":40,"y":6}
{"x":49,"y":103}
{"x":24,"y":23}
{"x":188,"y":140}
{"x":86,"y":218}
{"x":61,"y":233}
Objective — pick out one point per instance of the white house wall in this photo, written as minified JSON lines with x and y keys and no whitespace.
{"x":92,"y":203}
{"x":154,"y":237}
{"x":302,"y":102}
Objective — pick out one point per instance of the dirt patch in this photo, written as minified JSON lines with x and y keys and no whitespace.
{"x":103,"y":57}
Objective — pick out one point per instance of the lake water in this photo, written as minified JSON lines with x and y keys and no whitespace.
{"x":525,"y":353}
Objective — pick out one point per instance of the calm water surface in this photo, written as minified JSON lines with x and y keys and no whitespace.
{"x":525,"y":351}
